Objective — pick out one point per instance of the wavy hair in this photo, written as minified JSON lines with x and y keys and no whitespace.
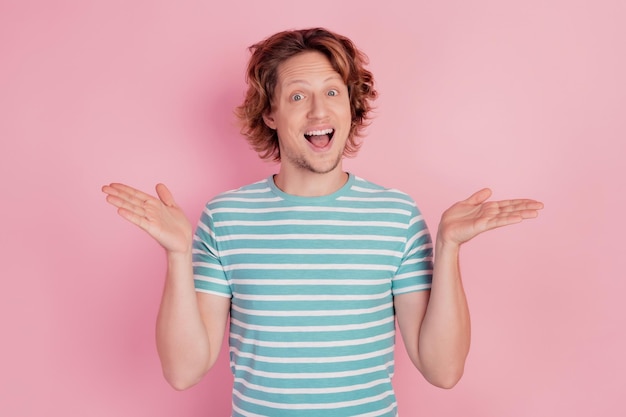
{"x":262,"y":77}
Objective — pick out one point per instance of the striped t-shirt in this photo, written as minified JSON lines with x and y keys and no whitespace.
{"x":311,"y":282}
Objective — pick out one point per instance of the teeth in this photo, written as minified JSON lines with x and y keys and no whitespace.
{"x":319,"y":132}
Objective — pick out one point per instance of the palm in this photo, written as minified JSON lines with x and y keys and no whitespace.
{"x":160,"y":217}
{"x":468,"y":218}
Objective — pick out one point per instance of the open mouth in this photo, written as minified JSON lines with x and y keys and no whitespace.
{"x":320,"y":138}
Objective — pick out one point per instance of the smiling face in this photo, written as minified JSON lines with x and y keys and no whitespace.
{"x":311,"y":115}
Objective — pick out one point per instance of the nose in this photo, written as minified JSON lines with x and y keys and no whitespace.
{"x":317,"y":108}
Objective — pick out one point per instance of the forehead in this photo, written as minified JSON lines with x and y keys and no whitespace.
{"x":305,"y":67}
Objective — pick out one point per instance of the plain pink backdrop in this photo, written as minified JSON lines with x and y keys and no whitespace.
{"x":528,"y":98}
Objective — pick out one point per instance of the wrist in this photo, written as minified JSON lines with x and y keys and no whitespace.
{"x":175,"y":257}
{"x":446,"y":245}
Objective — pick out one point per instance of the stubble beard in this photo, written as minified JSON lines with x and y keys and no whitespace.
{"x":301,"y":162}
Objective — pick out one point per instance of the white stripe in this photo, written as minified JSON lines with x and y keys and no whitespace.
{"x":311,"y":313}
{"x":287,"y":345}
{"x":314,"y":375}
{"x":412,"y":274}
{"x":318,"y":329}
{"x":215,"y":281}
{"x":380,"y":199}
{"x":421,"y":248}
{"x":207,"y":230}
{"x":221,"y":294}
{"x":382,"y":412}
{"x":364,"y":267}
{"x":294,"y":222}
{"x":417,"y":219}
{"x":313,"y":406}
{"x":310,"y":209}
{"x":207,"y":265}
{"x":377,"y":238}
{"x":418,"y":261}
{"x":348,"y":282}
{"x":317,"y":360}
{"x":263,"y":251}
{"x":311,"y":391}
{"x":306,"y":297}
{"x":378,"y":190}
{"x":246,"y":413}
{"x":368,"y":190}
{"x":416,"y":236}
{"x":247,"y":199}
{"x":421,"y":287}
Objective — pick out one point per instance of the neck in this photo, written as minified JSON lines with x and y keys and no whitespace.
{"x":310,"y":184}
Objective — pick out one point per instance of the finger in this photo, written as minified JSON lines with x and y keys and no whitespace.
{"x":134,"y":217}
{"x":505,"y":219}
{"x":165,"y":195}
{"x":528,"y":214}
{"x":479,"y":196}
{"x":518,"y":205}
{"x":122,"y":190}
{"x":127,"y":197}
{"x":116,"y":201}
{"x":127,"y":206}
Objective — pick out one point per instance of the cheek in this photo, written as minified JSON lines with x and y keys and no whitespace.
{"x":347,"y":108}
{"x":348,"y":116}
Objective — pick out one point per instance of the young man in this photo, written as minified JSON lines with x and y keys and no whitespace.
{"x":313,"y":264}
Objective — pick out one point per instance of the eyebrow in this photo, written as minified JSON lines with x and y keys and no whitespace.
{"x":302,"y":81}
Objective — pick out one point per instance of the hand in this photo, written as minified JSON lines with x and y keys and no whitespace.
{"x":468,"y":218}
{"x":161,"y":218}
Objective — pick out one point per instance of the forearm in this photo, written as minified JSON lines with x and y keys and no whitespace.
{"x":182,"y":339}
{"x":444,"y":338}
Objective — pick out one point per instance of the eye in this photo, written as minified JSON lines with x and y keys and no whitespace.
{"x":297,"y":97}
{"x":333,"y":93}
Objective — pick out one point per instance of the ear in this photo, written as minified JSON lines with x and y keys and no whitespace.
{"x":268,"y":118}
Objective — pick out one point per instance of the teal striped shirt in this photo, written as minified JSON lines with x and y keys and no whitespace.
{"x":311,"y":282}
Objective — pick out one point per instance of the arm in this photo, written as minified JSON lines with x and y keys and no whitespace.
{"x":190,"y":326}
{"x":435,"y":325}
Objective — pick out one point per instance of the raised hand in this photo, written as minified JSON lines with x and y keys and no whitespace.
{"x":468,"y":218}
{"x":160,"y":217}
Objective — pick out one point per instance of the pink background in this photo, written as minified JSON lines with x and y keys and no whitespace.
{"x":528,"y":98}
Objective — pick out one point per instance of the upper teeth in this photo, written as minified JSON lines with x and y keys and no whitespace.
{"x":319,"y":132}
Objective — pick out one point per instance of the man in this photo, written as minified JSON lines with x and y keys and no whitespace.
{"x":313,"y":264}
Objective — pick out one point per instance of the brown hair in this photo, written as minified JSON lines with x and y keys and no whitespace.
{"x":262,"y":76}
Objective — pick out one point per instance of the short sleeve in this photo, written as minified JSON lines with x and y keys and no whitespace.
{"x":209,"y":275}
{"x":416,"y":268}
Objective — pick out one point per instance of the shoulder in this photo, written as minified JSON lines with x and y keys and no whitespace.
{"x":254,"y":193}
{"x":365,"y":189}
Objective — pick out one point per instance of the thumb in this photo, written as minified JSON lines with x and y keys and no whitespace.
{"x":479,"y":196}
{"x":165,"y":195}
